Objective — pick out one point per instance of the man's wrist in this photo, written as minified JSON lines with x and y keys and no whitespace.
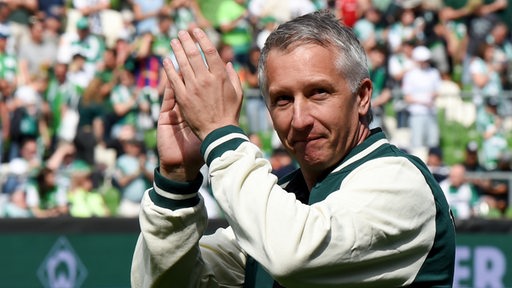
{"x":221,"y":140}
{"x":173,"y":194}
{"x":179,"y":173}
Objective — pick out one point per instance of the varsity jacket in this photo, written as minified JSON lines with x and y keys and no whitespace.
{"x":378,"y":219}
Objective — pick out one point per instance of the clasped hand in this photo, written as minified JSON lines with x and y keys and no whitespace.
{"x":205,"y":94}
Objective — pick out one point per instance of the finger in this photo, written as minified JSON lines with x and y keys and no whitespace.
{"x":195,"y":58}
{"x":182,"y":59}
{"x":172,"y":75}
{"x":235,"y":80}
{"x":213,"y":60}
{"x":168,"y":101}
{"x":170,"y":112}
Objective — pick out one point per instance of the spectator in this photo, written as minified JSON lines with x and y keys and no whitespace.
{"x":131,"y":176}
{"x":490,"y":125}
{"x":8,"y":82}
{"x":268,"y":24}
{"x":436,"y":165}
{"x":434,"y":34}
{"x":90,"y":127}
{"x":83,"y":200}
{"x":420,"y":86}
{"x":148,"y":67}
{"x":282,"y":163}
{"x":124,"y":101}
{"x":23,"y":168}
{"x":146,"y":15}
{"x":236,"y":30}
{"x":369,"y":29}
{"x":471,"y":159}
{"x":8,"y":66}
{"x":187,"y":14}
{"x":404,"y":30}
{"x":483,"y":17}
{"x":78,"y":74}
{"x":499,"y":38}
{"x":52,"y":13}
{"x":162,"y":37}
{"x":399,"y":63}
{"x":254,"y":104}
{"x":63,"y":97}
{"x":28,"y":119}
{"x":497,"y":193}
{"x":37,"y":55}
{"x":16,"y":206}
{"x":92,"y":10}
{"x":479,"y":18}
{"x":5,"y":27}
{"x":19,"y":17}
{"x":460,"y":194}
{"x":44,"y":197}
{"x":85,"y":43}
{"x":381,"y":94}
{"x":471,"y":163}
{"x":485,"y":75}
{"x":109,"y":73}
{"x":128,"y":30}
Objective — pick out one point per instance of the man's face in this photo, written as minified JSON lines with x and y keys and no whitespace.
{"x":311,"y":105}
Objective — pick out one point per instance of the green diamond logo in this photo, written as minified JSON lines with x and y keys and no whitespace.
{"x":62,"y":268}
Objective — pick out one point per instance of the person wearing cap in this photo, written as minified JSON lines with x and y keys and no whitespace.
{"x":420,"y":86}
{"x":87,"y":44}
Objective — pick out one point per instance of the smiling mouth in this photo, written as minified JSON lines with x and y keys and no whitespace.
{"x":305,"y":141}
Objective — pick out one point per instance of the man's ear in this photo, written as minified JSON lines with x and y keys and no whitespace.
{"x":364,"y":95}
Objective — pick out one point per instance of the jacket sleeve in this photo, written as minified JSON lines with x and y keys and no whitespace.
{"x":383,"y":212}
{"x":171,"y":250}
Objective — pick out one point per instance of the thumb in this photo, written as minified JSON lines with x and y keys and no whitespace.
{"x":169,"y":101}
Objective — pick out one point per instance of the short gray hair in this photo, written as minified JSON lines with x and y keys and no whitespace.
{"x":324,"y":29}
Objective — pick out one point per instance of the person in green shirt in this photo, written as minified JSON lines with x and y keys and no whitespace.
{"x":235,"y":27}
{"x":83,"y":200}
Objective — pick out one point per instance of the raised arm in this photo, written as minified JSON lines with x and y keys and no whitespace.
{"x":173,"y":218}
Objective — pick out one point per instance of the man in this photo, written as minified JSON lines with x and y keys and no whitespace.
{"x":420,"y":86}
{"x":357,"y":212}
{"x":461,"y":195}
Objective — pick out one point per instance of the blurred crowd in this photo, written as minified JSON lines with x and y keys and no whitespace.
{"x":81,"y":83}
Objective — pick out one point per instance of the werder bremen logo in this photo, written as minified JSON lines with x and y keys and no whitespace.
{"x":62,"y":268}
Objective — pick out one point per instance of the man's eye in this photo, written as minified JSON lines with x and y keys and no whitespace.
{"x":319,"y":91}
{"x":282,"y":100}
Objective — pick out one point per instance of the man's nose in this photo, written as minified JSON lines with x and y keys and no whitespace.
{"x":302,"y":118}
